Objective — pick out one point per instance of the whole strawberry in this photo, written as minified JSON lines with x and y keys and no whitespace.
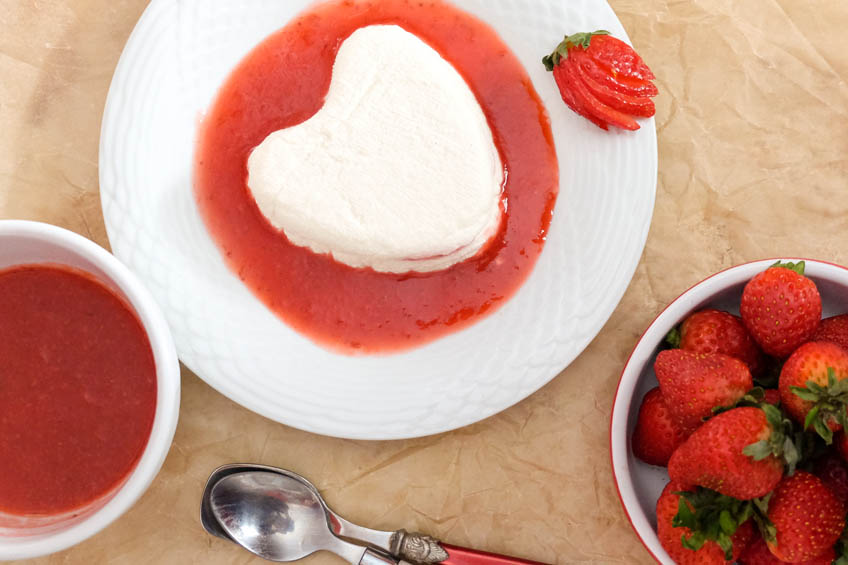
{"x":698,"y":548}
{"x":814,"y":387}
{"x":807,"y":518}
{"x":693,"y":384}
{"x":781,"y":308}
{"x":715,"y":331}
{"x":739,"y":453}
{"x":656,"y":435}
{"x":833,"y":329}
{"x":833,"y":472}
{"x":758,"y":553}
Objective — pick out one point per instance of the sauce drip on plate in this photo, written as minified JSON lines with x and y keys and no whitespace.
{"x":77,"y":390}
{"x":281,"y":83}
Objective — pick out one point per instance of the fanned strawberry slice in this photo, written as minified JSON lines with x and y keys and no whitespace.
{"x":592,"y":104}
{"x":629,"y":86}
{"x":570,"y":100}
{"x":633,"y":105}
{"x":618,"y":57}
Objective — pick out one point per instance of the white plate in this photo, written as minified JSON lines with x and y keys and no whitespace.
{"x":176,"y":59}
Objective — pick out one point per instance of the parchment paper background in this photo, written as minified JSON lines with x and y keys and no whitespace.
{"x":753,"y":142}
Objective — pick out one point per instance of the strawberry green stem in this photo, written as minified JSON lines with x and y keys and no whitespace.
{"x":780,"y":443}
{"x":582,"y":39}
{"x":710,"y":516}
{"x":797,"y":267}
{"x":673,"y":338}
{"x":761,"y":519}
{"x":829,"y":404}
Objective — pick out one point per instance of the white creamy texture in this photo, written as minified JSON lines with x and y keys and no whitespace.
{"x":398,"y":171}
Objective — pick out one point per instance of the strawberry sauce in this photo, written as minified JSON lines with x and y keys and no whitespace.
{"x":77,"y":390}
{"x":281,"y":83}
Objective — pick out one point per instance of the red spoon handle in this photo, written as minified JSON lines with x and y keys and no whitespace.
{"x":464,"y":556}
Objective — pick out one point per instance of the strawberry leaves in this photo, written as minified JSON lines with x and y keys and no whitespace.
{"x":754,"y":397}
{"x":582,"y":40}
{"x":710,"y":516}
{"x":829,"y":404}
{"x":780,"y":441}
{"x":760,"y":515}
{"x":673,"y":338}
{"x":796,"y":267}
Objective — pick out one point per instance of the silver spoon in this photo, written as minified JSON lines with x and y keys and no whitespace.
{"x":412,"y":547}
{"x":288,"y":490}
{"x":280,"y":519}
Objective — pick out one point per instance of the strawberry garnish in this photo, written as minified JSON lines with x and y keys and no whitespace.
{"x":590,"y":103}
{"x":781,"y":308}
{"x":625,"y":103}
{"x":603,"y":79}
{"x":657,"y":435}
{"x":621,"y":60}
{"x":571,"y":100}
{"x":638,"y":88}
{"x":814,"y":387}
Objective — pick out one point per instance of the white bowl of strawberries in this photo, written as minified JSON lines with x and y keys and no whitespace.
{"x":726,"y":434}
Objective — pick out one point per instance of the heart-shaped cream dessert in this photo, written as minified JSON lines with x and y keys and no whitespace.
{"x":398,"y":171}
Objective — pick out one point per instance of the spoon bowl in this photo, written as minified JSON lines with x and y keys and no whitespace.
{"x":275,"y":516}
{"x":272,"y":515}
{"x":388,"y":542}
{"x":207,"y":518}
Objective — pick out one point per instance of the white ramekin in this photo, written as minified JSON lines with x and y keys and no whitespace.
{"x":24,"y":242}
{"x":639,"y":484}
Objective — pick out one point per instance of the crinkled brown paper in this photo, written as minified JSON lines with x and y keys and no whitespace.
{"x":753,"y":144}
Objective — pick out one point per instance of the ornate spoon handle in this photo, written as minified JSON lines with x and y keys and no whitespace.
{"x":425,"y":550}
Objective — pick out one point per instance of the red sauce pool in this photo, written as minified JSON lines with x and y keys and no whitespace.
{"x":283,"y":82}
{"x":77,"y":390}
